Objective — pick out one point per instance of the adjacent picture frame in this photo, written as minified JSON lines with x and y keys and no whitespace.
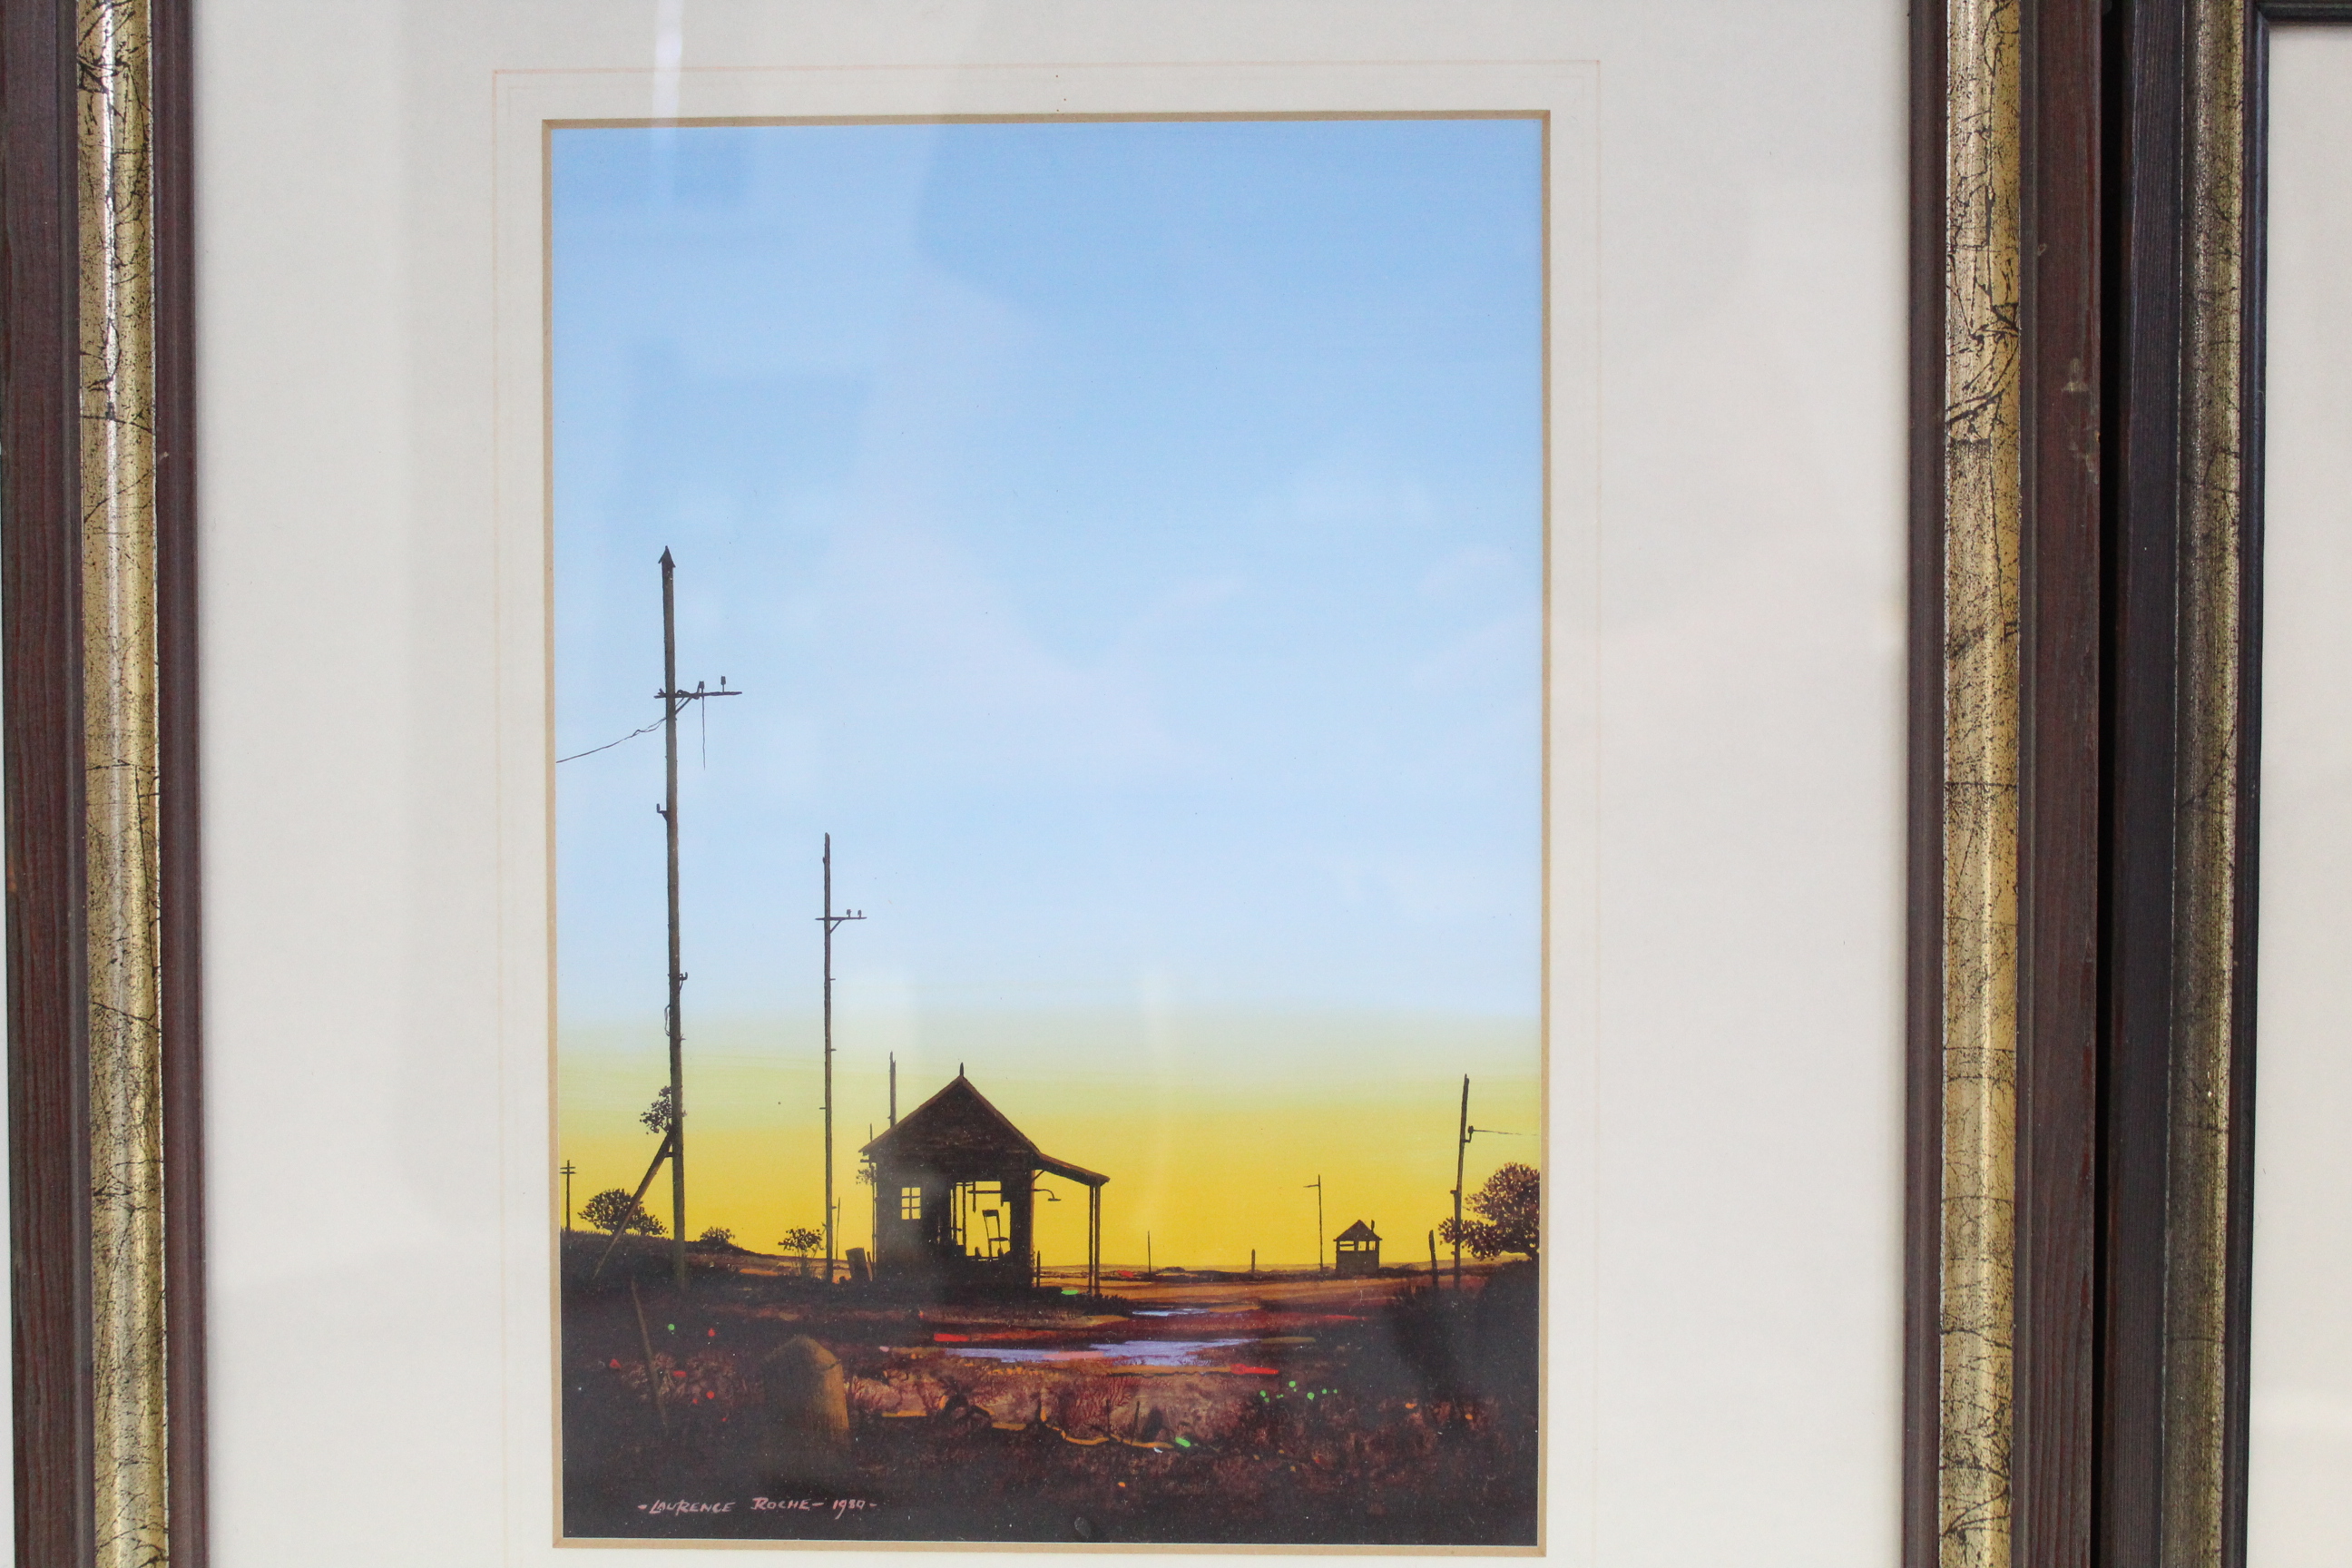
{"x":2185,"y":499}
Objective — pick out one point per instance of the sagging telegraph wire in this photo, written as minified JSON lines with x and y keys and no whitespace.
{"x":609,"y":744}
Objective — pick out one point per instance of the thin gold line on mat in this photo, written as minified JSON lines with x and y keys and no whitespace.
{"x":119,"y":651}
{"x":1983,"y":497}
{"x":2206,"y":786}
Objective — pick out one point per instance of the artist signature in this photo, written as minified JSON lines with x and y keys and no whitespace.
{"x":681,"y":1506}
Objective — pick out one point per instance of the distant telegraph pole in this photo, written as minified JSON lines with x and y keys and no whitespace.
{"x":673,"y":700}
{"x":832,"y":922}
{"x":1317,"y":1184}
{"x":568,"y":1171}
{"x":1461,"y":1154}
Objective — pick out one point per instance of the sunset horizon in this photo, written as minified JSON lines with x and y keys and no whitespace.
{"x":1206,"y":1168}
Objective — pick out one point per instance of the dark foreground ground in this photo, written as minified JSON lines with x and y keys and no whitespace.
{"x":1285,"y":1410}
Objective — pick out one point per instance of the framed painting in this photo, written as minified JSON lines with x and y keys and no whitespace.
{"x":1117,"y":547}
{"x":1373,"y":745}
{"x":1101,"y":664}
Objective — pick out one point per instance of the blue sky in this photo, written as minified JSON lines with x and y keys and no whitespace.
{"x":1128,"y":538}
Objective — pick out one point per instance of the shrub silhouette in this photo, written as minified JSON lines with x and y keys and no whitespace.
{"x":1512,"y":1205}
{"x":614,"y":1210}
{"x":802,"y":1240}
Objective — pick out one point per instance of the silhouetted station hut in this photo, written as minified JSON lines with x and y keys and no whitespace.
{"x":955,"y":1189}
{"x":1356,"y":1251}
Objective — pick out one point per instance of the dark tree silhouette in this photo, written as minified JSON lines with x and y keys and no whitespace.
{"x":614,"y":1210}
{"x":659,"y":1115}
{"x":717,"y":1235}
{"x":802,"y":1240}
{"x":1512,"y":1205}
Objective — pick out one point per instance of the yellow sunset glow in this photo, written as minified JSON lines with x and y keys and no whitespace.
{"x":1207,"y":1158}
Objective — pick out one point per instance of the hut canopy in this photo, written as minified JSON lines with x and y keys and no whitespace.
{"x":958,"y":1134}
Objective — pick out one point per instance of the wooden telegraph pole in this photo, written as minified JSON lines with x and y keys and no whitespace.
{"x":832,"y":922}
{"x":1317,"y":1184}
{"x":673,"y":700}
{"x":1461,"y":1154}
{"x":1461,"y":1151}
{"x":568,"y":1171}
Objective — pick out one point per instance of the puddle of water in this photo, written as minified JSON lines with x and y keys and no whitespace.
{"x":1142,"y":1353}
{"x":1167,"y":1353}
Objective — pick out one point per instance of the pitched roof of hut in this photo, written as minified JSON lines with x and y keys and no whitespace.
{"x":1358,"y":1231}
{"x":958,"y":1130}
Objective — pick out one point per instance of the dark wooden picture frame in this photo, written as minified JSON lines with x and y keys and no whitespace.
{"x":2001,"y":1379}
{"x":2088,"y":187}
{"x":2140,"y":189}
{"x":62,"y":69}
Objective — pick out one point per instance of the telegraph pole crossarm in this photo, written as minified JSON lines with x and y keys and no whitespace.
{"x":832,"y":923}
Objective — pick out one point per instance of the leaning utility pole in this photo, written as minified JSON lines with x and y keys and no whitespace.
{"x":672,"y":699}
{"x":1461,"y":1153}
{"x":831,"y":921}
